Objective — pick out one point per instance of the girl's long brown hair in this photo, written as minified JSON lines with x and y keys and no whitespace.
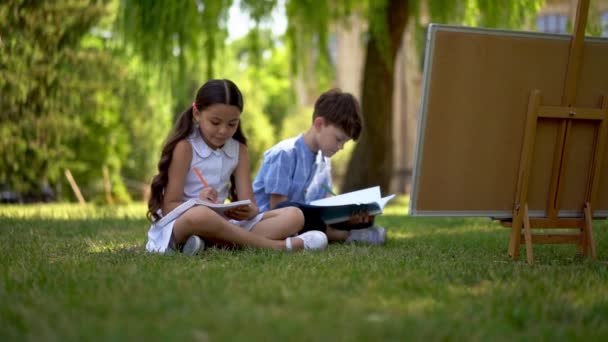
{"x":212,"y":92}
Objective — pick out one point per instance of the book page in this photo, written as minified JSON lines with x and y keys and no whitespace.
{"x":221,"y":207}
{"x":363,"y":196}
{"x":384,"y":200}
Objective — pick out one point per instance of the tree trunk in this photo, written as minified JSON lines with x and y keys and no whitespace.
{"x":372,"y":160}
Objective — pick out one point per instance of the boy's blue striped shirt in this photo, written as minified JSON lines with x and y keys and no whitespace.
{"x":291,"y":169}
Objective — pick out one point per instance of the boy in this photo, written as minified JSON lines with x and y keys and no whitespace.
{"x":298,"y":170}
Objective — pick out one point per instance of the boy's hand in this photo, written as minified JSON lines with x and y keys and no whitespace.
{"x":360,"y":218}
{"x":245,"y":212}
{"x":208,"y":194}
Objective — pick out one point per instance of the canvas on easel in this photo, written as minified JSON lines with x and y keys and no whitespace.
{"x":477,"y":91}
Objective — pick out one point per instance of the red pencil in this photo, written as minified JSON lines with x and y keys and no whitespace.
{"x":200,"y":176}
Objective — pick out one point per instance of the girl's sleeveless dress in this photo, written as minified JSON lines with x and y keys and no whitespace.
{"x":216,"y":166}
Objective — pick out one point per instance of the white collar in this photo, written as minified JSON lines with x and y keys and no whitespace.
{"x":230,"y":148}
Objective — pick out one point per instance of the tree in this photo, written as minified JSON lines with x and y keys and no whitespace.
{"x":374,"y":149}
{"x":69,"y":100}
{"x":38,"y":100}
{"x":387,"y":22}
{"x":189,"y":25}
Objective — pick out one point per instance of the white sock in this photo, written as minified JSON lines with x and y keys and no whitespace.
{"x":288,"y":243}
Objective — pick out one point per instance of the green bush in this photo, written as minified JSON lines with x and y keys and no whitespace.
{"x":70,"y":100}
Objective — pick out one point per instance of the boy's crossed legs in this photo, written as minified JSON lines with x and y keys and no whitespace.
{"x":359,"y":229}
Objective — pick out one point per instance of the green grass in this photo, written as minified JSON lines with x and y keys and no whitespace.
{"x":80,"y":273}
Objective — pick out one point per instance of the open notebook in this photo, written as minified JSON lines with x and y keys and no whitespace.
{"x":220,"y":208}
{"x":341,"y":207}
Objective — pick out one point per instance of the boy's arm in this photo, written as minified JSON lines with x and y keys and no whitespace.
{"x":276,"y":175}
{"x":276,"y":199}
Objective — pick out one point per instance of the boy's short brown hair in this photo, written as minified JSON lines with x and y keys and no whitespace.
{"x":341,"y":110}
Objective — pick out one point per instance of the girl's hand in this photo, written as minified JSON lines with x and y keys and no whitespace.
{"x":242,"y":213}
{"x":208,"y":194}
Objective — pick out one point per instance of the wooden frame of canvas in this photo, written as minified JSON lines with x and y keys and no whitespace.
{"x":487,"y":147}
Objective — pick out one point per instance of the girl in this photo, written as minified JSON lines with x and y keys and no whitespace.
{"x":208,"y":137}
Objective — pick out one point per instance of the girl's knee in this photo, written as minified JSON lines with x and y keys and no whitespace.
{"x":196,"y":215}
{"x":199,"y":219}
{"x":295,"y":215}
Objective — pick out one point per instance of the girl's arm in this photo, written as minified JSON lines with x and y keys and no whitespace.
{"x":241,"y":176}
{"x":178,"y":170}
{"x":243,"y":187}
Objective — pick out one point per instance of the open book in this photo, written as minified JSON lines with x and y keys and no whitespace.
{"x":220,"y":208}
{"x":341,"y":207}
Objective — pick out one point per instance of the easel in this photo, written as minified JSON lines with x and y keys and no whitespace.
{"x":521,"y":223}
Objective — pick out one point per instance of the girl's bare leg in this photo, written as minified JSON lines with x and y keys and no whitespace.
{"x":284,"y":222}
{"x":280,"y":223}
{"x":205,"y":222}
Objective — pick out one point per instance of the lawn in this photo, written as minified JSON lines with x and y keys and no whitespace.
{"x":70,"y":272}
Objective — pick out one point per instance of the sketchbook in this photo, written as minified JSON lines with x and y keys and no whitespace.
{"x":219,"y":208}
{"x":340,"y":208}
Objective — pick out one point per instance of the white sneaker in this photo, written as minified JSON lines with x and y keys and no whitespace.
{"x":375,"y":235}
{"x":313,"y":240}
{"x":193,"y":245}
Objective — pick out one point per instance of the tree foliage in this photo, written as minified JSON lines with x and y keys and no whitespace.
{"x":61,"y":105}
{"x":263,"y":79}
{"x":189,"y":27}
{"x":74,"y":99}
{"x":184,"y":29}
{"x":488,"y":13}
{"x":308,"y":29}
{"x":38,"y":52}
{"x":182,"y":39}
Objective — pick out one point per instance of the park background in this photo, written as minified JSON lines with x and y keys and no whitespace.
{"x":94,"y":85}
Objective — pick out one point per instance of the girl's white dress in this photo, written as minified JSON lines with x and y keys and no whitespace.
{"x":216,"y":166}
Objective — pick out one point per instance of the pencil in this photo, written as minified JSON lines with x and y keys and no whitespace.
{"x":200,"y":176}
{"x":328,"y":189}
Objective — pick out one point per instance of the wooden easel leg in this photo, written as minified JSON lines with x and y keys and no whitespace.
{"x":582,"y":242}
{"x":528,"y":236}
{"x":589,"y":231}
{"x":515,"y":240}
{"x":525,"y":166}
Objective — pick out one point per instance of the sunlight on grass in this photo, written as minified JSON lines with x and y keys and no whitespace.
{"x":71,"y":272}
{"x":67,"y":211}
{"x":421,"y":306}
{"x":468,"y":228}
{"x":481,"y":288}
{"x":97,"y":246}
{"x":397,"y":234}
{"x":398,"y":205}
{"x":418,"y":306}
